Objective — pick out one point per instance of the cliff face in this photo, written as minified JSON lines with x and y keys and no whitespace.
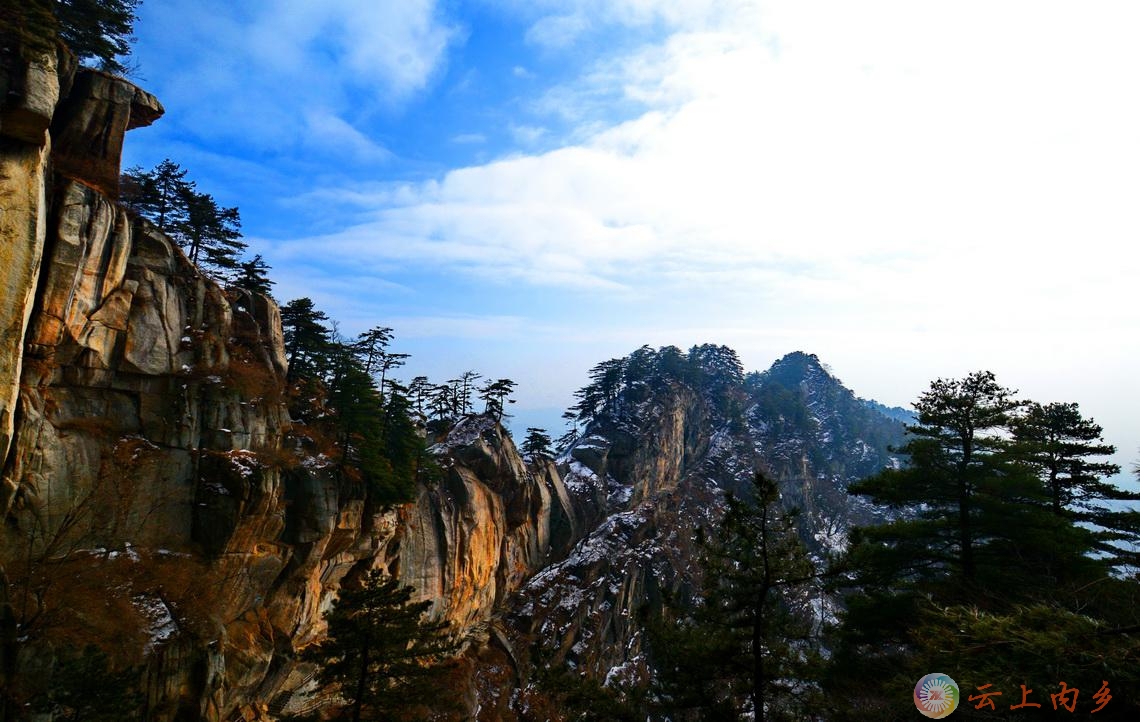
{"x":152,"y":497}
{"x":649,"y":478}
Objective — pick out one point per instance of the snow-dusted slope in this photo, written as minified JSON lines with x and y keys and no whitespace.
{"x":648,"y":475}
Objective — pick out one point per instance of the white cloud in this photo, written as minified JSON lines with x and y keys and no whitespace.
{"x":909,"y":189}
{"x":288,"y":62}
{"x":325,"y":130}
{"x":558,"y":31}
{"x":558,"y":24}
{"x":527,"y":135}
{"x":856,"y":155}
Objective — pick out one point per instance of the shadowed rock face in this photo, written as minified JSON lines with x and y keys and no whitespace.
{"x":91,"y":123}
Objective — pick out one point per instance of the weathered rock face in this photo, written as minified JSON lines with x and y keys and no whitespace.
{"x":641,"y":489}
{"x":491,"y":523}
{"x":649,"y":477}
{"x":31,"y":91}
{"x":92,"y":121}
{"x":146,"y":456}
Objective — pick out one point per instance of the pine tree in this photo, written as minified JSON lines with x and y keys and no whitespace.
{"x":537,"y":443}
{"x":29,"y":24}
{"x":408,"y":461}
{"x":158,"y":195}
{"x":955,"y":478}
{"x":571,"y":435}
{"x":385,"y":659}
{"x":494,"y":395}
{"x":1060,"y":445}
{"x":308,"y":340}
{"x":419,"y":393}
{"x":974,"y":532}
{"x":466,"y":387}
{"x":441,"y":403}
{"x":1057,"y":441}
{"x":252,"y":276}
{"x":211,"y":235}
{"x":208,"y":233}
{"x":97,"y":30}
{"x":371,"y":346}
{"x":749,"y":650}
{"x":357,"y":420}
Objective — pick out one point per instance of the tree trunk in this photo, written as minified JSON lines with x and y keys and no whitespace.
{"x":758,"y":681}
{"x":965,"y":536}
{"x":361,"y":682}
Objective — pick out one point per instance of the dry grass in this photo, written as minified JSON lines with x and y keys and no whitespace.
{"x":252,"y":379}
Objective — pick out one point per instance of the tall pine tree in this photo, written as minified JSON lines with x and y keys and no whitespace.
{"x":210,"y":234}
{"x":952,"y":489}
{"x":974,"y":536}
{"x":384,"y":658}
{"x":158,"y":194}
{"x":308,"y":341}
{"x":749,"y":650}
{"x":1062,"y":447}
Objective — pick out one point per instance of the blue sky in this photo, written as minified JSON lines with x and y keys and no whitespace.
{"x":908,"y":189}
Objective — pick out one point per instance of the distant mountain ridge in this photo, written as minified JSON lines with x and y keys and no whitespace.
{"x":666,"y":435}
{"x":800,"y":408}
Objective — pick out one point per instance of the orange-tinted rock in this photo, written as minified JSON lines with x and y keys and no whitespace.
{"x":89,"y":126}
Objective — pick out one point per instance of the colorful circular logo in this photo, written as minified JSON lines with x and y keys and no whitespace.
{"x":936,"y":695}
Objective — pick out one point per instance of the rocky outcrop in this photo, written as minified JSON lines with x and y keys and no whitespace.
{"x":91,"y":124}
{"x":649,"y":477}
{"x":643,"y":486}
{"x":30,"y":94}
{"x":147,"y":457}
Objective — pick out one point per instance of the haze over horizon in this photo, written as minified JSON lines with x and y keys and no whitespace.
{"x":909,"y":190}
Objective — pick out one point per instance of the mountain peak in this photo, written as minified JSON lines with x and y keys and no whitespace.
{"x":797,"y":367}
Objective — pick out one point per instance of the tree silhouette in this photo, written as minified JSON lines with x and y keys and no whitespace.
{"x":494,"y":395}
{"x":308,"y":340}
{"x":158,"y":194}
{"x":97,"y":30}
{"x":537,"y":443}
{"x":1060,"y":445}
{"x":751,"y":639}
{"x":384,"y":658}
{"x":252,"y":276}
{"x":209,"y":234}
{"x":956,"y":462}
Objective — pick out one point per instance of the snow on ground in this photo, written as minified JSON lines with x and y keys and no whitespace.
{"x":464,"y":433}
{"x":244,"y":462}
{"x":160,"y":624}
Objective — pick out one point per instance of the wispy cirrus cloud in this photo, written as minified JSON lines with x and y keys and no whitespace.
{"x":294,"y":75}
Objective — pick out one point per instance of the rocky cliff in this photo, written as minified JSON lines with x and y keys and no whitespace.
{"x":650,"y":472}
{"x":154,"y":501}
